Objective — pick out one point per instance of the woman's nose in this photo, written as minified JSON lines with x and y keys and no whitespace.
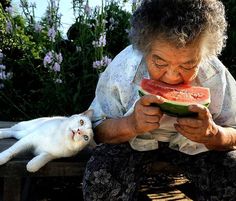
{"x":172,"y":73}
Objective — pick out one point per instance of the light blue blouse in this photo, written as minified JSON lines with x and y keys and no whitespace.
{"x":117,"y":93}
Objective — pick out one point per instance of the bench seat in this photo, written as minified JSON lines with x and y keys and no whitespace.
{"x":13,"y":171}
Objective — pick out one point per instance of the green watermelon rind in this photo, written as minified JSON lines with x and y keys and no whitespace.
{"x":173,"y":109}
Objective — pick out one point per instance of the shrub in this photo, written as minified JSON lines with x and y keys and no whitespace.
{"x":47,"y":74}
{"x":229,"y":53}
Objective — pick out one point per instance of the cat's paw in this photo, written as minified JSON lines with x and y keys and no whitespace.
{"x":32,"y":167}
{"x":3,"y":159}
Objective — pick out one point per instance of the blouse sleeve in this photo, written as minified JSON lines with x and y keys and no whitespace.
{"x":215,"y":76}
{"x":227,"y":114}
{"x":106,"y":103}
{"x":114,"y":91}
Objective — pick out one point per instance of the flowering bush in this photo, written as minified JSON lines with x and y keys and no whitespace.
{"x":42,"y":73}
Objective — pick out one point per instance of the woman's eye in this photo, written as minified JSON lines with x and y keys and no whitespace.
{"x":161,"y":65}
{"x":188,"y":67}
{"x":81,"y":122}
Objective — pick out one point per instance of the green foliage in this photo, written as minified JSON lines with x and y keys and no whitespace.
{"x":35,"y":88}
{"x":116,"y":32}
{"x":5,"y":3}
{"x":229,"y":53}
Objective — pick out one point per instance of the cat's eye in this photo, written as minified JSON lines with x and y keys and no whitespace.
{"x":86,"y":138}
{"x":81,"y":122}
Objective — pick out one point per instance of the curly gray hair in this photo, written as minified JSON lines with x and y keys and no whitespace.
{"x":180,"y":22}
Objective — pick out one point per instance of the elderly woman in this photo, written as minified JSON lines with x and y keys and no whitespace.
{"x":173,"y":41}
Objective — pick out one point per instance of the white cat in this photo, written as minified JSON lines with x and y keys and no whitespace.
{"x":49,"y":138}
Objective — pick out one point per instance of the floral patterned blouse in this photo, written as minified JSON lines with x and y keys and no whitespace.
{"x":117,"y":93}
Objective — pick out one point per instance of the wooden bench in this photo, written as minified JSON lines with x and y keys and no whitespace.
{"x":14,"y":171}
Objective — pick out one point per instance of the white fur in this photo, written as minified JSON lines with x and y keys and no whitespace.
{"x":49,"y":138}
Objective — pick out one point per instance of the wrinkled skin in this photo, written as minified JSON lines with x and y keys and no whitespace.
{"x":201,"y":129}
{"x":145,"y":117}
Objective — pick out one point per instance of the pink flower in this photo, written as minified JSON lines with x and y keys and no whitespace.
{"x":97,"y":64}
{"x":52,"y":34}
{"x":9,"y":27}
{"x":104,"y":62}
{"x":87,"y":9}
{"x":101,"y":41}
{"x":47,"y":60}
{"x":56,"y":67}
{"x":59,"y":58}
{"x":37,"y":27}
{"x":9,"y":10}
{"x":52,"y":60}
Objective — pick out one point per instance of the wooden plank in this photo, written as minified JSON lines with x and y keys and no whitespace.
{"x":12,"y":189}
{"x":14,"y":170}
{"x":52,"y":169}
{"x":71,"y":166}
{"x":6,"y":124}
{"x":5,"y":143}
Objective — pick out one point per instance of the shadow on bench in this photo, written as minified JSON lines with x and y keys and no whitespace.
{"x":13,"y":171}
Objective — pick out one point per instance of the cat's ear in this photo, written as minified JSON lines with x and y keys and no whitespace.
{"x":89,"y":113}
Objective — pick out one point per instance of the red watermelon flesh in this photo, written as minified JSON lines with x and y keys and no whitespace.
{"x":178,"y":97}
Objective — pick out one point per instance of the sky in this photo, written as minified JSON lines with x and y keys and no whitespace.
{"x":65,"y":9}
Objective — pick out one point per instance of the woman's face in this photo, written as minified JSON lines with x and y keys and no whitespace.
{"x":173,"y":65}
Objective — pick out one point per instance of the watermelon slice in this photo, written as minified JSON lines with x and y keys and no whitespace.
{"x":177,"y":97}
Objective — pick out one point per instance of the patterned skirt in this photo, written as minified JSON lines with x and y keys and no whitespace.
{"x":114,"y":172}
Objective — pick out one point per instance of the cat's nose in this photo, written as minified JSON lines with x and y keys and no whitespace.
{"x":78,"y":131}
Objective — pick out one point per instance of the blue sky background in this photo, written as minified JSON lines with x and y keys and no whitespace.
{"x":65,"y":9}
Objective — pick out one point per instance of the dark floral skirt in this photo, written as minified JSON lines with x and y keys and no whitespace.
{"x":114,"y":172}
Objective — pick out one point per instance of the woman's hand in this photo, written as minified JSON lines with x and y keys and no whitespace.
{"x":146,"y":117}
{"x":201,"y":129}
